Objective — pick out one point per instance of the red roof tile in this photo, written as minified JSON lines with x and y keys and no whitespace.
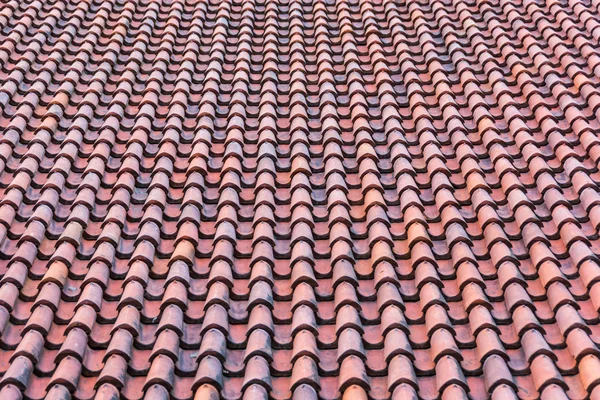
{"x":296,"y":199}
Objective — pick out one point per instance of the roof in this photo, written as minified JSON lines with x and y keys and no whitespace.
{"x":299,"y":199}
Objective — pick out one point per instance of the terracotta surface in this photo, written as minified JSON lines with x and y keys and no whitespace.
{"x":299,"y":199}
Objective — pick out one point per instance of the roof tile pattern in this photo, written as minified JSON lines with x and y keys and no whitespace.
{"x":296,"y":199}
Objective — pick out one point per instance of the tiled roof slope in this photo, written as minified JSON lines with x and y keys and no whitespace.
{"x":299,"y":199}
